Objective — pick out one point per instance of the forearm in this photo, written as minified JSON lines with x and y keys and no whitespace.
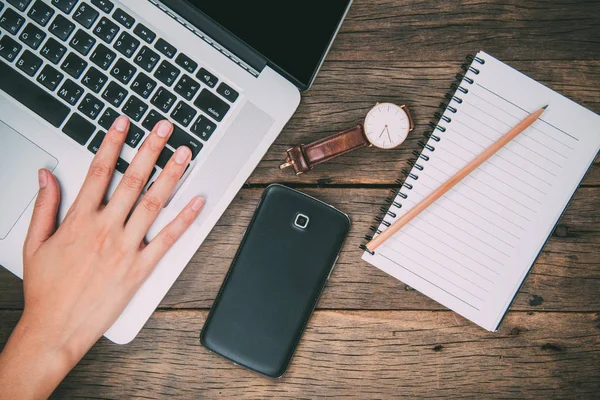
{"x":30,"y":367}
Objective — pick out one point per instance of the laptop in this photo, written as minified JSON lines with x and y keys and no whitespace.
{"x":228,"y":74}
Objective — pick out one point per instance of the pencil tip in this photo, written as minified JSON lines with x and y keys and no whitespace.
{"x":546,"y":106}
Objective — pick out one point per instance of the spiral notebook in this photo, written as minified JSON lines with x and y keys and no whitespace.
{"x":472,"y":248}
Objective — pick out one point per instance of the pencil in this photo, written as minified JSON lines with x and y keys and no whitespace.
{"x":450,"y":183}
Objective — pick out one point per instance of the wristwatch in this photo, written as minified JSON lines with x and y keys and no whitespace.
{"x":386,"y":127}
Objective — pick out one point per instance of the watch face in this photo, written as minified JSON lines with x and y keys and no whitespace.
{"x":387,"y":125}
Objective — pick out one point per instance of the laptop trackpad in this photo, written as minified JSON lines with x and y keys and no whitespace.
{"x":20,"y":160}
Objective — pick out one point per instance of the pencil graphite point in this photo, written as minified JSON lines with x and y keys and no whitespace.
{"x":546,"y":106}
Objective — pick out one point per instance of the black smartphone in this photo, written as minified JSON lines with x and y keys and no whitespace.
{"x":271,"y":289}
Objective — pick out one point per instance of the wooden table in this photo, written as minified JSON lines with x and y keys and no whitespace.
{"x":372,"y":336}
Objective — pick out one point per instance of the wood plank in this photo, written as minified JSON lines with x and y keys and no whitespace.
{"x":569,"y":264}
{"x":358,"y":354}
{"x":343,"y":93}
{"x":377,"y":30}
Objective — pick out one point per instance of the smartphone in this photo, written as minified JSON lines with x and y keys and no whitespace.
{"x":270,"y":291}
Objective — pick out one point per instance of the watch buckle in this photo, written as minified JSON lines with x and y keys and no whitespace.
{"x":286,"y":164}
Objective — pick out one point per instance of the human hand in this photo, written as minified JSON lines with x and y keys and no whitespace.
{"x":79,"y":278}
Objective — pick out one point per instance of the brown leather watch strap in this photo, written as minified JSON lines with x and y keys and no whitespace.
{"x":304,"y":157}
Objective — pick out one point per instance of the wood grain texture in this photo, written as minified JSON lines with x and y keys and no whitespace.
{"x":374,"y":337}
{"x":357,"y":354}
{"x":570,"y":262}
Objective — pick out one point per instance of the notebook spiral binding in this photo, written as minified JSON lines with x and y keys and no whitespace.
{"x":417,"y":163}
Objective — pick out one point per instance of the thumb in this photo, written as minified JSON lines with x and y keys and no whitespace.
{"x":43,"y":220}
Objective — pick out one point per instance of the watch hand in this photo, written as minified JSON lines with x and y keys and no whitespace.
{"x":390,"y":136}
{"x":382,"y":131}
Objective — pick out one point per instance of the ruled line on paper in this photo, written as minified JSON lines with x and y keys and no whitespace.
{"x":459,"y":205}
{"x":523,"y":134}
{"x":445,"y":279}
{"x":481,"y":205}
{"x":412,"y":272}
{"x":540,"y":119}
{"x":463,"y":219}
{"x":514,"y":140}
{"x":517,"y":119}
{"x":444,"y":255}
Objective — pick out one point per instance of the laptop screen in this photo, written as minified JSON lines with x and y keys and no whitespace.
{"x":293,"y":36}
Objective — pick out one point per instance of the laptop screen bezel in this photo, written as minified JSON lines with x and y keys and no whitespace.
{"x":239,"y":47}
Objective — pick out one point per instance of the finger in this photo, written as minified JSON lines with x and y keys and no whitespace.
{"x":102,"y":167}
{"x":43,"y":220}
{"x":167,"y":237}
{"x":138,"y":172}
{"x":153,"y":202}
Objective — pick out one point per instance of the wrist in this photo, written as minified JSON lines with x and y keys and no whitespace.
{"x":31,"y":363}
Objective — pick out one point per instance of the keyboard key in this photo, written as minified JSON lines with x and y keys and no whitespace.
{"x":104,"y":5}
{"x":79,"y":129}
{"x":53,"y":51}
{"x":123,"y":71}
{"x":32,"y":36}
{"x":94,"y":80}
{"x":147,"y":59}
{"x":94,"y":145}
{"x":209,"y":79}
{"x":74,"y":65}
{"x":123,"y":18}
{"x":114,"y":94}
{"x":127,"y":44}
{"x":203,"y":128}
{"x":143,"y":85}
{"x":187,"y":87}
{"x":65,"y":6}
{"x":134,"y":135}
{"x":181,"y":138}
{"x":9,"y":48}
{"x":107,"y":119}
{"x":163,"y":100}
{"x":70,"y":92}
{"x":32,"y":96}
{"x":29,"y":63}
{"x":1,"y":6}
{"x":166,"y":48}
{"x":106,"y":30}
{"x":61,"y":27}
{"x":226,"y":91}
{"x":164,"y":157}
{"x":186,"y":63}
{"x":41,"y":12}
{"x":82,"y":42}
{"x":183,"y":114}
{"x":11,"y":21}
{"x":212,"y":105}
{"x":50,"y":77}
{"x":144,"y":33}
{"x":166,"y":73}
{"x":90,"y":106}
{"x":86,"y":15}
{"x":152,"y":119}
{"x":134,"y":108}
{"x":122,"y":165}
{"x":103,"y":57}
{"x":20,"y":5}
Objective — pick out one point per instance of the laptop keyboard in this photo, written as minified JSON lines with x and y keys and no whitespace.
{"x":81,"y":64}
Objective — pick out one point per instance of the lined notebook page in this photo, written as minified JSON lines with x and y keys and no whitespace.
{"x":471,"y":249}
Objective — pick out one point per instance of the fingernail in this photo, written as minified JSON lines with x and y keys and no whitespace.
{"x":164,"y":128}
{"x":121,"y":123}
{"x":198,"y":203}
{"x":182,"y":154}
{"x":42,"y":178}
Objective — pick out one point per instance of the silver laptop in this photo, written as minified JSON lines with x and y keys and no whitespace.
{"x":227,"y":74}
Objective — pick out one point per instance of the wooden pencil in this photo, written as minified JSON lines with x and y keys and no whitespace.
{"x":450,"y":183}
